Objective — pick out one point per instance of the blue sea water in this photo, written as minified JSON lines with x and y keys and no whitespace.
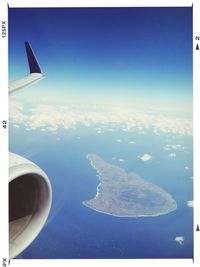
{"x":74,"y":231}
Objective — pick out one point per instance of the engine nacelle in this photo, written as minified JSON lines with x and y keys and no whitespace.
{"x":30,"y":198}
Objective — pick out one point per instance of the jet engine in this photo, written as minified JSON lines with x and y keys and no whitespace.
{"x":30,"y":198}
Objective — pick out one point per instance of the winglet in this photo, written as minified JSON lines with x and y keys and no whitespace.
{"x":32,"y":61}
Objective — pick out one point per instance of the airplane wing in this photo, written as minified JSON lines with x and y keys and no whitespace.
{"x":35,"y":74}
{"x":30,"y":193}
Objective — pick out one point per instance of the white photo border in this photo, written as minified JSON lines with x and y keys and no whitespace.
{"x":4,"y":132}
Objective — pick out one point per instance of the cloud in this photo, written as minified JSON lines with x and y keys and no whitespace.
{"x":131,"y":142}
{"x":99,"y":130}
{"x":172,"y":155}
{"x":119,"y":160}
{"x":15,"y":125}
{"x":186,"y":168}
{"x":118,"y":140}
{"x":190,"y":203}
{"x":170,"y":147}
{"x":146,"y":157}
{"x":180,"y":239}
{"x":62,"y":114}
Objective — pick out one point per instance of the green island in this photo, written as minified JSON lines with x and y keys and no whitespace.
{"x":125,"y":194}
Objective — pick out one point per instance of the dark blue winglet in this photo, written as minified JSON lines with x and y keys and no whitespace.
{"x":32,"y":61}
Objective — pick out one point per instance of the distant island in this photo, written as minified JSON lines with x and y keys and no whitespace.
{"x":125,"y":194}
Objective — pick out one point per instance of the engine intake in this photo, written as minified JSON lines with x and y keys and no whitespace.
{"x":30,"y":198}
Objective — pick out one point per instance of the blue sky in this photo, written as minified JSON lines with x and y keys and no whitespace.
{"x":122,"y":54}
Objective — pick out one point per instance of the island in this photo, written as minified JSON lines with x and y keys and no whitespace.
{"x":125,"y":194}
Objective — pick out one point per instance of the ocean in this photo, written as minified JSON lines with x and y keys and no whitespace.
{"x":74,"y":231}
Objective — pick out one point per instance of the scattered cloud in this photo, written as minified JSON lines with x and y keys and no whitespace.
{"x":186,"y":168}
{"x":156,"y":132}
{"x":180,"y":239}
{"x":146,"y":157}
{"x":131,"y":142}
{"x":170,"y":147}
{"x":15,"y":125}
{"x":172,"y":155}
{"x":190,"y":203}
{"x":99,"y":131}
{"x":119,"y":160}
{"x":118,"y":140}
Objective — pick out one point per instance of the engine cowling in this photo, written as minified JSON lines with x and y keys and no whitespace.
{"x":30,"y":198}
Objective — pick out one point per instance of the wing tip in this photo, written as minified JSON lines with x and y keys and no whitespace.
{"x":34,"y":66}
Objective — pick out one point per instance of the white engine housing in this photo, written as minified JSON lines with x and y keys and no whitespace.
{"x":30,"y":198}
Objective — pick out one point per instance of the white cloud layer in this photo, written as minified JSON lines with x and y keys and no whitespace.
{"x":52,"y":116}
{"x":146,"y":157}
{"x":180,"y":239}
